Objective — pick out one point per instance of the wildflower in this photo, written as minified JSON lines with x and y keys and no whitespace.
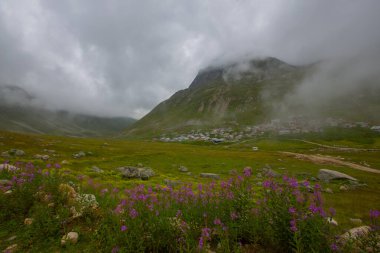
{"x":133,"y":213}
{"x":123,"y":228}
{"x":57,"y":166}
{"x":305,"y":183}
{"x":234,"y":215}
{"x":332,"y":211}
{"x":266,"y":184}
{"x":334,"y":247}
{"x":115,"y":249}
{"x":374,"y":214}
{"x":200,"y":243}
{"x":292,"y":210}
{"x":217,"y":221}
{"x":48,"y":165}
{"x":293,"y":225}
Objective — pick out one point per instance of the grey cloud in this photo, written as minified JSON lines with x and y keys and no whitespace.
{"x":121,"y":58}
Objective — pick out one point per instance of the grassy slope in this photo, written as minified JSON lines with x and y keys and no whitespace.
{"x":165,"y":158}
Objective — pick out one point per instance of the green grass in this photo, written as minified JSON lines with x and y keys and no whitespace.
{"x":165,"y":159}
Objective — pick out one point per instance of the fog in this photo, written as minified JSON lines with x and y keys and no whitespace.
{"x":121,"y":58}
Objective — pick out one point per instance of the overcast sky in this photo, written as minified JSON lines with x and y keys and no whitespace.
{"x":121,"y":57}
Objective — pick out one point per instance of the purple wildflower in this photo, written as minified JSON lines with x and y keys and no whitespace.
{"x":293,"y":225}
{"x":374,"y":214}
{"x":247,"y":172}
{"x":292,"y":210}
{"x":123,"y":228}
{"x":115,"y":249}
{"x":133,"y":213}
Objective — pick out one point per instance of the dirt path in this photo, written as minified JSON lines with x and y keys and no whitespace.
{"x":330,"y":160}
{"x":338,"y":148}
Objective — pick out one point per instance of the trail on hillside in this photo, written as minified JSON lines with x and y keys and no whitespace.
{"x":336,"y":147}
{"x":330,"y":160}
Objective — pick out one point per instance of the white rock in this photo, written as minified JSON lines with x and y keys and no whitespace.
{"x":331,"y":221}
{"x":11,"y":249}
{"x":28,"y":221}
{"x":355,"y":233}
{"x":71,"y":237}
{"x":327,"y":175}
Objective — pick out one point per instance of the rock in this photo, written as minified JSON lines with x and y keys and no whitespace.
{"x":5,"y":154}
{"x":344,"y":188}
{"x":28,"y":221}
{"x":42,"y":157}
{"x":183,"y":169}
{"x":356,"y":221}
{"x":97,"y":169}
{"x":87,"y":200}
{"x":65,"y":162}
{"x":328,"y":190}
{"x":51,"y":151}
{"x":171,"y":183}
{"x":259,"y":175}
{"x":210,"y":175}
{"x":8,"y":167}
{"x":313,"y":179}
{"x":134,"y":172}
{"x":11,"y":238}
{"x":327,"y":175}
{"x":255,"y":148}
{"x":79,"y":154}
{"x":11,"y":249}
{"x":140,"y":165}
{"x":71,"y":237}
{"x":8,"y":192}
{"x":355,"y":233}
{"x":331,"y":221}
{"x":189,"y":173}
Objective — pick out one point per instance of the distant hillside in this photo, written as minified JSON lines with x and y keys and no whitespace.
{"x":246,"y":93}
{"x":225,"y":95}
{"x":16,"y":114}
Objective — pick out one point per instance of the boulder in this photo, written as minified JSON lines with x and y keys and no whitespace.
{"x":134,"y":172}
{"x":183,"y":169}
{"x":42,"y":157}
{"x":327,"y":175}
{"x":331,"y":221}
{"x":71,"y":237}
{"x":8,"y":167}
{"x":79,"y":154}
{"x":344,"y":188}
{"x":355,"y":233}
{"x":97,"y":169}
{"x":87,"y":200}
{"x":11,"y":249}
{"x":356,"y":221}
{"x":28,"y":221}
{"x":210,"y":175}
{"x":328,"y":190}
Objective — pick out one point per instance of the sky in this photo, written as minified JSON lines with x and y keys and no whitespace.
{"x":123,"y":57}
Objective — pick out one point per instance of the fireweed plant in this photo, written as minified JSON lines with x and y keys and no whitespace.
{"x":276,"y":215}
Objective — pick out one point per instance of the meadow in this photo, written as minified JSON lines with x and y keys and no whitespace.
{"x":246,"y":210}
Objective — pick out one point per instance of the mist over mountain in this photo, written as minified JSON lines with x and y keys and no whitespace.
{"x":255,"y":91}
{"x":20,"y":111}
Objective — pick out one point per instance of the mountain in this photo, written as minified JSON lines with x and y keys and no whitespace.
{"x":17,"y":113}
{"x":224,"y":95}
{"x":250,"y":92}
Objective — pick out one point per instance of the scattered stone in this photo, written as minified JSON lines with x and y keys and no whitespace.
{"x":344,"y":188}
{"x":5,"y":154}
{"x":356,"y":221}
{"x":87,"y":200}
{"x":171,"y":183}
{"x":97,"y":169}
{"x":328,"y":190}
{"x":42,"y":157}
{"x":313,"y":179}
{"x":71,"y":237}
{"x":8,"y":167}
{"x":11,"y":249}
{"x":255,"y":148}
{"x":183,"y":169}
{"x":134,"y":172}
{"x":331,"y":221}
{"x":79,"y":154}
{"x":355,"y":233}
{"x":282,"y":168}
{"x":19,"y":152}
{"x":13,"y":152}
{"x":189,"y":173}
{"x":8,"y":192}
{"x":51,"y":151}
{"x":65,"y":162}
{"x":11,"y":238}
{"x":28,"y":221}
{"x":210,"y":175}
{"x":327,"y":175}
